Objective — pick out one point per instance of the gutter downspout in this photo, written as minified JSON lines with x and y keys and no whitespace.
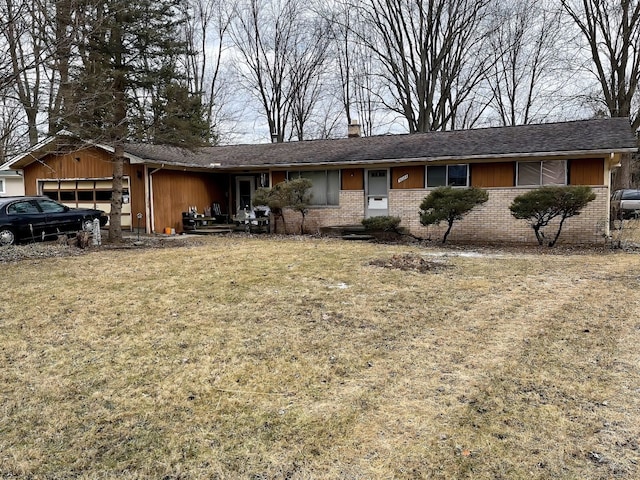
{"x":150,"y":218}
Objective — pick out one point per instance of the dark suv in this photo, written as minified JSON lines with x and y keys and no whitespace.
{"x":40,"y":218}
{"x":625,"y":204}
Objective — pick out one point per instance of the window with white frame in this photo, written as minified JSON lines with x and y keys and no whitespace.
{"x":447,"y":175}
{"x":552,"y":172}
{"x":325,"y":185}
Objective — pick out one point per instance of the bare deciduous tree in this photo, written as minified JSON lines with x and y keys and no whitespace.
{"x":307,"y":72}
{"x":263,"y":35}
{"x":358,"y":91}
{"x":206,"y":31}
{"x":25,"y":34}
{"x":611,"y":32}
{"x":524,"y":75}
{"x":430,"y":55}
{"x":280,"y":56}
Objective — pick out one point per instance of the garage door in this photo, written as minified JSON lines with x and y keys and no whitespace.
{"x":88,"y":193}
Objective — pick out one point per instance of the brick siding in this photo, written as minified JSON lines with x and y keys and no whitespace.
{"x":491,"y":222}
{"x":349,"y":212}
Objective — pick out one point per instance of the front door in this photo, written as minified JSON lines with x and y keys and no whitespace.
{"x":245,"y":187}
{"x":377,"y":193}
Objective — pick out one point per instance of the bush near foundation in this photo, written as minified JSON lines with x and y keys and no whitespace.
{"x":447,"y":204}
{"x":540,"y":206}
{"x":383,"y":223}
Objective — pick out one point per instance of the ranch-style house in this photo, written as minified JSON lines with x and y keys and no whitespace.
{"x":353,"y":178}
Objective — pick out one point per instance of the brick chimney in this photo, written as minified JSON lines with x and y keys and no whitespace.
{"x":354,"y":129}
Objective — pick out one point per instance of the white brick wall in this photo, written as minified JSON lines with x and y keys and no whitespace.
{"x":493,"y":222}
{"x":490,"y":222}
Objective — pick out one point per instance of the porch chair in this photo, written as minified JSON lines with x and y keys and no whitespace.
{"x":216,"y":212}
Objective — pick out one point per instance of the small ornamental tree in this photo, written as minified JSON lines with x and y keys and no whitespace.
{"x":294,"y":194}
{"x":299,"y":196}
{"x":450,"y":204}
{"x":538,"y":207}
{"x":275,"y":198}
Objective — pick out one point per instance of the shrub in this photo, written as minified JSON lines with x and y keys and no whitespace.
{"x":450,"y":204}
{"x":382,"y":223}
{"x":299,"y":195}
{"x":294,"y":194}
{"x":275,"y":198}
{"x":538,"y":207}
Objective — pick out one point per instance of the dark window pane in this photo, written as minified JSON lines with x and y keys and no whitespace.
{"x":67,"y":196}
{"x":52,"y":194}
{"x":318,"y":186}
{"x":103,"y":195}
{"x":85,"y":195}
{"x":457,"y":175}
{"x":436,"y":176}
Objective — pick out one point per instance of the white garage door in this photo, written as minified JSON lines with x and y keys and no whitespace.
{"x":88,"y":193}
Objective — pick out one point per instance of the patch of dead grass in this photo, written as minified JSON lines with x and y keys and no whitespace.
{"x":297,"y":358}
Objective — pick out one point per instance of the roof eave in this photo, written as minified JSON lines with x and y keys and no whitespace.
{"x":454,"y":158}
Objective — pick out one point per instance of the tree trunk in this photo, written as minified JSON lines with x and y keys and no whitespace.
{"x":120,"y":131}
{"x":115,"y":219}
{"x":621,"y":177}
{"x":446,"y":234}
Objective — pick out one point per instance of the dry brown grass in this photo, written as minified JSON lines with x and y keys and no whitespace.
{"x":298,"y":358}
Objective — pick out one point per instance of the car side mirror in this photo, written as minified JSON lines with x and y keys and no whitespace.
{"x":66,"y":208}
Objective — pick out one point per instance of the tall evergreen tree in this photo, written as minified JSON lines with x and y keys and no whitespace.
{"x":127,"y":54}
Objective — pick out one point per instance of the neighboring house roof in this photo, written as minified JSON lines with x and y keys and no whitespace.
{"x":597,"y":136}
{"x":578,"y":137}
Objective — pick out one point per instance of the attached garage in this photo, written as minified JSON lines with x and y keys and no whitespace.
{"x":88,"y":193}
{"x":81,"y":175}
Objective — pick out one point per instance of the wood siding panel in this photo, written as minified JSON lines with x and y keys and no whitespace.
{"x":411,"y":176}
{"x":588,"y":171}
{"x":175,"y":191}
{"x":352,"y":179}
{"x":138,"y":194}
{"x":86,"y":163}
{"x":488,"y":175}
{"x":278,"y":177}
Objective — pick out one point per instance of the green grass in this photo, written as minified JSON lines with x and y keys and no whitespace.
{"x":297,"y":358}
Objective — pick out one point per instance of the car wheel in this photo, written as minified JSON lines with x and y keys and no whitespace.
{"x":7,"y":237}
{"x":87,"y":225}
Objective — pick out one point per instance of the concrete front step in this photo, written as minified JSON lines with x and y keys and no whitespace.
{"x":357,"y":236}
{"x":211,"y":229}
{"x":341,"y":230}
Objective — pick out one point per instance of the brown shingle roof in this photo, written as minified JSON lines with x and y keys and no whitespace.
{"x":599,"y":135}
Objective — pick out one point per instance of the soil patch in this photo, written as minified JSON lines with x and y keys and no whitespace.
{"x":411,"y":262}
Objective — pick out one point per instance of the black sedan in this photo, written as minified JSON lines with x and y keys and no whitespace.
{"x":40,"y":218}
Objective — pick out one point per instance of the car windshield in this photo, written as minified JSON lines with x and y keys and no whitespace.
{"x":631,"y":195}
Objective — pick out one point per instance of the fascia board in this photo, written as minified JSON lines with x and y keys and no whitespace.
{"x":451,"y":158}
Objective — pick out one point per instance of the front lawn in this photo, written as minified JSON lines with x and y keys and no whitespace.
{"x":311,"y":358}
